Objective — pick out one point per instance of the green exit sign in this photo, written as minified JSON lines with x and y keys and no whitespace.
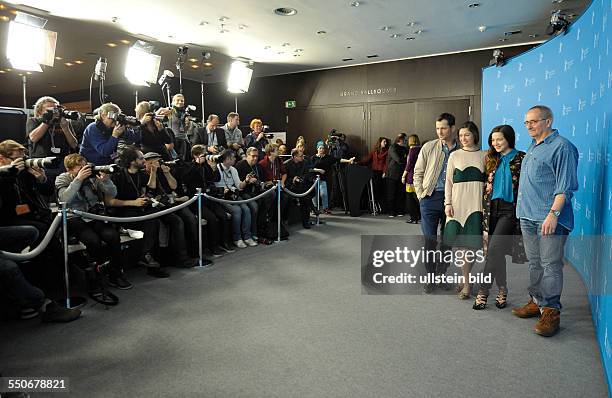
{"x":290,"y":104}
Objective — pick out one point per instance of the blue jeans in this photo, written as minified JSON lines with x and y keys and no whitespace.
{"x":241,"y":221}
{"x":324,"y":204}
{"x":432,"y":218}
{"x":545,"y":256}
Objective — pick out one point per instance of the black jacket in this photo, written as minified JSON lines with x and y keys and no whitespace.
{"x":396,"y":162}
{"x":201,"y":137}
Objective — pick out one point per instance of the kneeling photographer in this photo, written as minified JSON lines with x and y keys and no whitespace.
{"x":182,"y":224}
{"x":231,"y":185}
{"x":83,"y":188}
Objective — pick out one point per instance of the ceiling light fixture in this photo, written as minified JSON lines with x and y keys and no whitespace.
{"x":285,"y":11}
{"x":355,"y":4}
{"x":68,"y":64}
{"x":242,"y":27}
{"x":79,"y":62}
{"x":395,"y":35}
{"x":385,"y":28}
{"x":111,"y":45}
{"x":207,"y":64}
{"x":474,"y":5}
{"x":1,"y":71}
{"x":298,"y":50}
{"x":223,"y":19}
{"x":195,"y":66}
{"x":267,"y":47}
{"x":502,"y":39}
{"x":4,"y":18}
{"x":482,"y":28}
{"x":286,"y":44}
{"x":59,"y":58}
{"x":321,"y":32}
{"x":202,"y":23}
{"x":124,"y":41}
{"x":193,"y":60}
{"x":411,"y":24}
{"x":533,"y":35}
{"x":410,"y":38}
{"x":372,"y":56}
{"x":347,"y":59}
{"x":418,"y":32}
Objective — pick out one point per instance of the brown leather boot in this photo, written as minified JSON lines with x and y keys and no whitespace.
{"x":548,"y":324}
{"x":529,"y":310}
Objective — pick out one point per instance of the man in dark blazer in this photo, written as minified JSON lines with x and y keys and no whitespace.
{"x":211,"y":136}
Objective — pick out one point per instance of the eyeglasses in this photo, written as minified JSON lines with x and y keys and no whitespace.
{"x":532,"y":122}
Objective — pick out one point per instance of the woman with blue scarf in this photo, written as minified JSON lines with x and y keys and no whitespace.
{"x":503,"y":168}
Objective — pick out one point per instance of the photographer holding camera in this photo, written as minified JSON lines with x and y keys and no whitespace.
{"x":22,"y":189}
{"x":82,"y":189}
{"x":182,"y":224}
{"x":299,"y":177}
{"x":257,"y":137}
{"x":49,"y":132}
{"x":212,"y":137}
{"x":101,"y":138}
{"x":231,"y":185}
{"x":132,"y":183}
{"x":154,"y":136}
{"x":180,"y":123}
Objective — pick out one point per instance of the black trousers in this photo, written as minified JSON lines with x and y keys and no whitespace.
{"x":150,"y":228}
{"x":92,"y":234}
{"x":176,"y":227}
{"x":501,"y":234}
{"x":379,"y":189}
{"x":305,"y":202}
{"x":183,"y":149}
{"x":396,"y":197}
{"x":413,"y":206}
{"x":210,"y":233}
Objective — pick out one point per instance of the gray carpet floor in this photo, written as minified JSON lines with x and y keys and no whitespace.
{"x":289,"y":320}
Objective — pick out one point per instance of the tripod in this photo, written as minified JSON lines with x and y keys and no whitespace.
{"x":338,"y":172}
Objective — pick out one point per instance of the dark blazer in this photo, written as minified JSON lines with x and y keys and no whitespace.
{"x":396,"y":162}
{"x":201,"y":137}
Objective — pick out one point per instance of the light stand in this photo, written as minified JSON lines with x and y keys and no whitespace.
{"x":182,"y":54}
{"x":25,"y":98}
{"x":202,"y":93}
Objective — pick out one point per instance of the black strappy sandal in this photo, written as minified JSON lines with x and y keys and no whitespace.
{"x":481,"y":302}
{"x":502,"y":298}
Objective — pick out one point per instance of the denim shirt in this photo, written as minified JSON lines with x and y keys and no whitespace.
{"x":442,"y":178}
{"x":548,"y":169}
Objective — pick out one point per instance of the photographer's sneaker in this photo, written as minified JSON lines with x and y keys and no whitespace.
{"x":250,"y":242}
{"x":240,"y":244}
{"x":56,"y":313}
{"x":118,"y":280}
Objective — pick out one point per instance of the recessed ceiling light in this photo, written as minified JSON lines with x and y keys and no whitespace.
{"x":348,"y":47}
{"x":418,"y":32}
{"x":78,"y":61}
{"x":355,"y":4}
{"x":124,"y":41}
{"x":286,"y":44}
{"x":207,"y":64}
{"x":28,"y":73}
{"x":297,"y":55}
{"x":557,"y":1}
{"x":347,"y":59}
{"x":68,"y":64}
{"x":8,"y":69}
{"x":502,"y":39}
{"x":533,"y":35}
{"x":372,"y":56}
{"x":474,"y":5}
{"x":385,"y":28}
{"x":53,"y":86}
{"x":14,"y":12}
{"x":59,"y":58}
{"x":242,"y":27}
{"x":280,"y":52}
{"x":410,"y":38}
{"x":223,"y":19}
{"x":2,"y":6}
{"x":285,"y":11}
{"x":321,"y":32}
{"x":4,"y":18}
{"x":267,"y":47}
{"x":482,"y":28}
{"x":21,"y":74}
{"x":410,"y":24}
{"x":111,"y":44}
{"x":1,"y":71}
{"x":395,"y":35}
{"x":202,"y":23}
{"x":195,"y":66}
{"x":193,"y":60}
{"x":298,"y":50}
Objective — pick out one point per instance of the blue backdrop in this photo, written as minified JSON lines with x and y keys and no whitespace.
{"x":572,"y":74}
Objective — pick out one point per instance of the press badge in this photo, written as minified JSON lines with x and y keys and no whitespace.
{"x":56,"y":150}
{"x":22,"y":209}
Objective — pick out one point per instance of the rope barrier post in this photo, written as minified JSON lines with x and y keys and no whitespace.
{"x":372,"y":199}
{"x":318,"y":197}
{"x":278,"y":209}
{"x":200,"y":226}
{"x":65,"y":234}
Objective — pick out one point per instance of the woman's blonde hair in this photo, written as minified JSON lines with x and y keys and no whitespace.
{"x":254,"y":122}
{"x":38,"y":106}
{"x":105,"y":108}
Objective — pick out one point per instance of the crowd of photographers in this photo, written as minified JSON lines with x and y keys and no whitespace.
{"x":126,"y":166}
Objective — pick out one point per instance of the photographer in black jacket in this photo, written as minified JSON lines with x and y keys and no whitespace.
{"x":154,"y":137}
{"x":299,"y":180}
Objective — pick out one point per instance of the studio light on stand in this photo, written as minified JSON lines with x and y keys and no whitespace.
{"x":99,"y":74}
{"x":29,"y":45}
{"x":239,"y":79}
{"x":558,"y":23}
{"x":182,"y":55}
{"x":141,"y":66}
{"x":498,"y":58}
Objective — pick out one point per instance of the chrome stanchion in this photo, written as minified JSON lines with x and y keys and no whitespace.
{"x":372,"y":199}
{"x":200,"y":226}
{"x":65,"y":234}
{"x":318,"y":197}
{"x":278,"y":210}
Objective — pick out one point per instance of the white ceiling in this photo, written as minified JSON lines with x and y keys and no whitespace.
{"x":84,"y":27}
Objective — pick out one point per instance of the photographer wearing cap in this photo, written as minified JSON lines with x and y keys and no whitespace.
{"x":131,"y":200}
{"x":49,"y":132}
{"x":22,"y":189}
{"x":212,"y":137}
{"x":257,"y":137}
{"x":154,"y":136}
{"x":83,"y":190}
{"x":182,"y":224}
{"x":101,"y":138}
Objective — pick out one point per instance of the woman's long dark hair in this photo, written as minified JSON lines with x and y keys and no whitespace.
{"x":492,"y":158}
{"x":378,"y":147}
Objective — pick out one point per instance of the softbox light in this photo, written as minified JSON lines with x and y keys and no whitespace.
{"x":239,"y":78}
{"x":29,"y":46}
{"x":141,"y":66}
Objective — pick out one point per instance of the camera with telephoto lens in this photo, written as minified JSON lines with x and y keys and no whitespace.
{"x":108,"y":169}
{"x":58,"y":112}
{"x":169,"y":162}
{"x":154,"y":106}
{"x":50,"y":162}
{"x":123,"y":119}
{"x":213,"y":158}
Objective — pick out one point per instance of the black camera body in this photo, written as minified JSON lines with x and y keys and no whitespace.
{"x":124,"y":120}
{"x":58,"y":112}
